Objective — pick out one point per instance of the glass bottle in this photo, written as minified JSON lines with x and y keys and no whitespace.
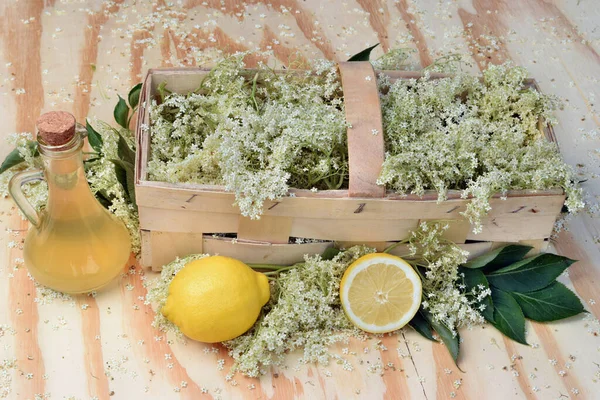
{"x":74,"y":244}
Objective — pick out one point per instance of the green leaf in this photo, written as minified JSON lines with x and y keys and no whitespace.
{"x":472,"y":279}
{"x":120,"y":172}
{"x":499,"y":258}
{"x":549,"y":304}
{"x":530,"y":274}
{"x":508,"y":317}
{"x":88,"y":161}
{"x":94,"y":137}
{"x":103,"y":198}
{"x":330,"y":253}
{"x":125,"y":175}
{"x":121,"y":113}
{"x":451,"y":341}
{"x":422,"y":326}
{"x":124,"y":152}
{"x":363,"y":55}
{"x":15,"y":158}
{"x":134,"y":96}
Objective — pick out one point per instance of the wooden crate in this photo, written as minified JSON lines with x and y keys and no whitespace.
{"x":181,"y":219}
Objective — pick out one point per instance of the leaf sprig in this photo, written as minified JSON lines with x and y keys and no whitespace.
{"x":522,"y":288}
{"x":15,"y":158}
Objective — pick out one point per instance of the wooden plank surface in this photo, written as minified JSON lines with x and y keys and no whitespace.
{"x":77,"y":55}
{"x":392,"y":207}
{"x":366,"y":150}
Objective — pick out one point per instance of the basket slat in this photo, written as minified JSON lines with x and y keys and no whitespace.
{"x":156,"y":219}
{"x":514,"y":228}
{"x":266,"y":229}
{"x":458,"y":230}
{"x":263,"y":253}
{"x":369,"y":230}
{"x":160,"y":248}
{"x":365,"y":133}
{"x":389,"y":208}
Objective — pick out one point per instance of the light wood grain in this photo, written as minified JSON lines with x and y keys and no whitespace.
{"x":76,"y":56}
{"x":339,"y":205}
{"x":365,"y":133}
{"x":267,"y":229}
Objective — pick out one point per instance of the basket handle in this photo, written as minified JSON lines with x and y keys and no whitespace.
{"x":365,"y":133}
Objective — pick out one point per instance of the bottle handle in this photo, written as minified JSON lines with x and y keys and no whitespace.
{"x":14,"y":188}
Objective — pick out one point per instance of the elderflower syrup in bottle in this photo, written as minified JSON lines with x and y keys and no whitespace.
{"x":74,"y":244}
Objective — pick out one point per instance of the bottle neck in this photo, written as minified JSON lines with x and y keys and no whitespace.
{"x":69,"y":195}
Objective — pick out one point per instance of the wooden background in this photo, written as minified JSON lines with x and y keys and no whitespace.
{"x":76,"y":55}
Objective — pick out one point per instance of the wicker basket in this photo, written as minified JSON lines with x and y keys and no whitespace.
{"x":180,"y":219}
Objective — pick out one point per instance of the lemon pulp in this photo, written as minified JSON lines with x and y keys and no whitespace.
{"x":380,"y":293}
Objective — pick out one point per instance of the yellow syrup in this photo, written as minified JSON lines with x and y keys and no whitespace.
{"x":78,"y":246}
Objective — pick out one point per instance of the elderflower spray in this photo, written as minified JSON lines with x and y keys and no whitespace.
{"x":74,"y":244}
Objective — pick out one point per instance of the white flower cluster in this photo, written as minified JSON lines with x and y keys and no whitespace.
{"x":256,"y":132}
{"x":304,"y":313}
{"x":444,"y":294}
{"x":394,"y":59}
{"x":478,"y":136}
{"x":37,"y":191}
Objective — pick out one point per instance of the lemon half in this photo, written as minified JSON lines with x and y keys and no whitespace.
{"x":380,"y":293}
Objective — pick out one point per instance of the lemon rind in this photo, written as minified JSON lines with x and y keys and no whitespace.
{"x":410,"y":274}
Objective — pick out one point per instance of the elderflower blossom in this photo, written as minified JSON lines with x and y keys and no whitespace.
{"x":443,"y":292}
{"x":478,"y":136}
{"x":304,"y":313}
{"x":257,"y":134}
{"x":37,"y":191}
{"x":394,"y":59}
{"x":102,"y":178}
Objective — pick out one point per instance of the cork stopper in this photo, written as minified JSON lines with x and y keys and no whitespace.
{"x":56,"y":127}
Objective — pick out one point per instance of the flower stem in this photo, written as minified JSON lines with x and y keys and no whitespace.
{"x":282,"y":269}
{"x":266,"y":266}
{"x":393,"y":246}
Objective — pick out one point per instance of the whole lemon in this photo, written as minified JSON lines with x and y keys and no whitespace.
{"x":216,"y":298}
